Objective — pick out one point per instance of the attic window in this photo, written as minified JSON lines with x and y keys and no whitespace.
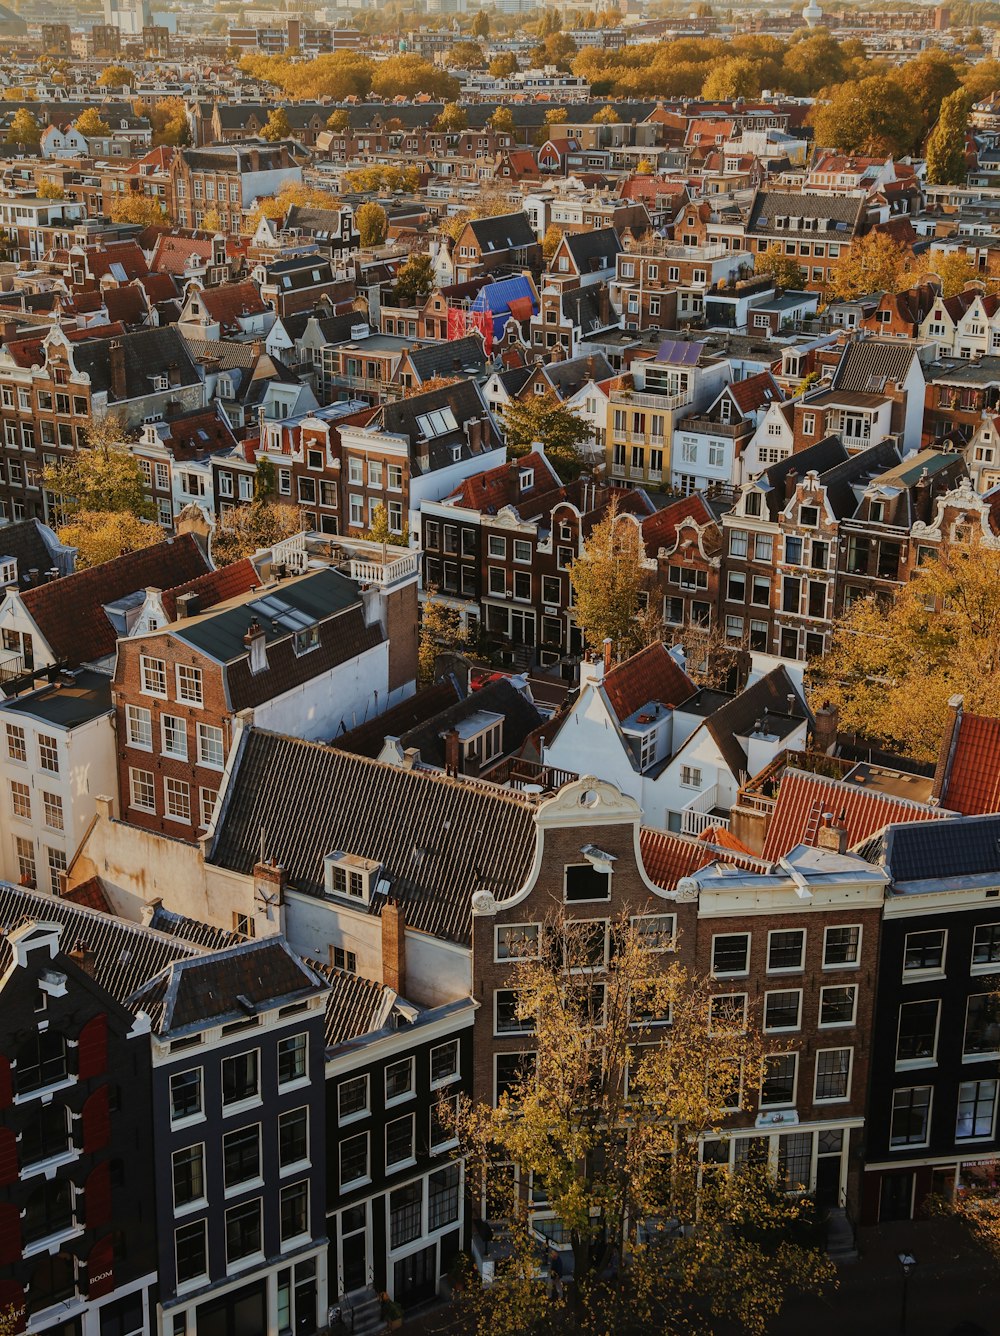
{"x":307,"y":639}
{"x":437,"y":423}
{"x":526,"y":479}
{"x":349,"y":876}
{"x":584,"y":881}
{"x":8,"y":570}
{"x":161,"y":383}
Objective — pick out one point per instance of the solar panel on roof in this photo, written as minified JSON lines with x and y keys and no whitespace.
{"x":678,"y":353}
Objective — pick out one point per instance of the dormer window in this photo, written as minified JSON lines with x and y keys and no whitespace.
{"x":526,"y":479}
{"x":161,"y":383}
{"x":8,"y":570}
{"x":350,"y":876}
{"x":752,"y":503}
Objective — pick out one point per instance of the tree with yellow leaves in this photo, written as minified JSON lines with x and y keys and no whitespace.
{"x":116,"y":76}
{"x":607,"y":582}
{"x":135,"y":208}
{"x":244,"y":530}
{"x":635,"y":1067}
{"x":891,"y":670}
{"x":551,"y":240}
{"x":92,"y":125}
{"x":873,"y":263}
{"x":956,"y":270}
{"x":440,"y":631}
{"x":277,"y":127}
{"x":294,"y":192}
{"x":48,"y":189}
{"x":102,"y":535}
{"x":24,"y":129}
{"x":372,"y":223}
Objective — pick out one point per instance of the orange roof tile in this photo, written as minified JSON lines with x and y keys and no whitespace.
{"x":651,"y":675}
{"x":974,"y":778}
{"x":214,"y":586}
{"x":862,"y":812}
{"x":668,"y":857}
{"x":90,"y":894}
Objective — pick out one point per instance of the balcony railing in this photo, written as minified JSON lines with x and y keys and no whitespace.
{"x":11,"y":667}
{"x":700,"y":815}
{"x":387,"y":573}
{"x":516,"y":772}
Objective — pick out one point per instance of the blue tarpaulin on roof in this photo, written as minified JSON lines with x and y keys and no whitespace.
{"x":497,"y":297}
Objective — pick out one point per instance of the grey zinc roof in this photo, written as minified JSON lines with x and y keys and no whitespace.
{"x":126,"y":955}
{"x":224,"y":985}
{"x":966,"y":846}
{"x":507,"y":231}
{"x":868,"y":365}
{"x":310,"y":599}
{"x":437,"y":840}
{"x":447,"y":358}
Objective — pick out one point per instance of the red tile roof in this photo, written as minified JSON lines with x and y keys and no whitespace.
{"x":498,"y":487}
{"x":974,"y":778}
{"x":861,"y":812}
{"x":754,"y":392}
{"x":90,"y":894}
{"x":69,"y":612}
{"x":214,"y":586}
{"x":651,"y":675}
{"x":660,"y":530}
{"x":125,"y":253}
{"x":668,"y":857}
{"x":228,"y":303}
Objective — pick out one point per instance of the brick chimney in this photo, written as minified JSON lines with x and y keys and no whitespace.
{"x":791,"y":482}
{"x":452,"y":752}
{"x":116,"y":358}
{"x":394,"y":947}
{"x":269,"y":881}
{"x":833,"y":838}
{"x":946,"y":752}
{"x":827,"y":718}
{"x":84,"y":956}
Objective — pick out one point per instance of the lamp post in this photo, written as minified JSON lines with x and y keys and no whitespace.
{"x":907,"y":1261}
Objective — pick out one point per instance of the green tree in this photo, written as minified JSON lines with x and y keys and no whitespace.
{"x":452,"y":118}
{"x":90,"y":124}
{"x":265,"y":479}
{"x":277,"y":127}
{"x":891,"y":670}
{"x":871,"y":116}
{"x":415,"y":278}
{"x":784,"y":269}
{"x":466,"y":56}
{"x":380,"y":532}
{"x":481,"y":24}
{"x":245,"y":530}
{"x":503,"y":65}
{"x":102,"y":535}
{"x":24,"y":129}
{"x":339,"y":120}
{"x":542,"y":419}
{"x":873,"y":263}
{"x":609,"y":1114}
{"x":372,"y":223}
{"x":946,"y":165}
{"x":607,"y":582}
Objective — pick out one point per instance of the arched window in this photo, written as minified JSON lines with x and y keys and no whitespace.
{"x":41,"y":1061}
{"x":48,"y":1210}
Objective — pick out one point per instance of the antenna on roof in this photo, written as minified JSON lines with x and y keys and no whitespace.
{"x":263,"y":836}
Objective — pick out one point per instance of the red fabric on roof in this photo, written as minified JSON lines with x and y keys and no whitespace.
{"x":650,"y":675}
{"x":862,"y":812}
{"x":974,"y":780}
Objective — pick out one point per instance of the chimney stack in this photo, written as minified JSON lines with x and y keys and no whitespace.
{"x":269,"y":882}
{"x":827,"y":718}
{"x":116,"y":357}
{"x":946,"y":752}
{"x":393,"y":947}
{"x":607,"y":654}
{"x":452,"y":752}
{"x":833,"y":838}
{"x":791,"y":482}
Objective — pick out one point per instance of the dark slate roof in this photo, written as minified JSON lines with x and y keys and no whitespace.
{"x":125,"y":955}
{"x":966,"y":846}
{"x":593,"y":250}
{"x":27,"y":542}
{"x":507,"y":231}
{"x":355,"y":1006}
{"x":520,"y":720}
{"x":767,"y":697}
{"x":820,"y":457}
{"x":450,"y":358}
{"x":148,"y":353}
{"x":572,"y":374}
{"x":856,"y":470}
{"x":438,"y":840}
{"x":582,"y":307}
{"x":843,"y":211}
{"x":226,"y":985}
{"x":463,"y":398}
{"x":868,"y":365}
{"x":203,"y":935}
{"x":368,"y":739}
